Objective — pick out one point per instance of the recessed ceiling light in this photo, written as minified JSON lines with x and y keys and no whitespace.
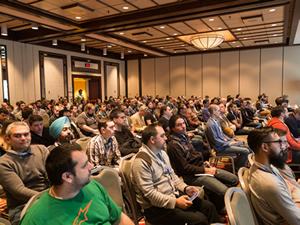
{"x":233,"y":42}
{"x":239,"y":29}
{"x":182,"y":45}
{"x":121,"y":33}
{"x":125,"y":7}
{"x":275,"y":35}
{"x":161,"y":47}
{"x":245,"y":38}
{"x":220,"y":28}
{"x":129,"y":51}
{"x":145,"y":55}
{"x":83,"y":39}
{"x":35,"y":27}
{"x":175,"y":52}
{"x":272,"y":10}
{"x":144,"y":41}
{"x":276,"y":42}
{"x":162,"y":27}
{"x":175,"y":34}
{"x":168,"y":38}
{"x":211,"y":20}
{"x":273,"y":25}
{"x":78,"y":17}
{"x":109,"y":46}
{"x":238,"y":46}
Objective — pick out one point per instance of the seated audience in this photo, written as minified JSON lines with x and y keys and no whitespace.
{"x":39,"y":134}
{"x":150,"y":117}
{"x":18,"y":110}
{"x":127,"y":142}
{"x":187,"y":162}
{"x":22,"y":169}
{"x":293,"y":122}
{"x":279,"y":113}
{"x":227,"y":127}
{"x":4,"y":146}
{"x":74,"y":113}
{"x":102,"y":111}
{"x":160,"y":192}
{"x":55,"y":113}
{"x":270,"y":193}
{"x":103,"y":150}
{"x":221,"y":143}
{"x":132,"y":108}
{"x":191,"y":115}
{"x":87,"y":121}
{"x":26,"y":113}
{"x":74,"y":129}
{"x":205,"y":112}
{"x":3,"y":116}
{"x":165,"y":115}
{"x":38,"y":110}
{"x":248,"y":116}
{"x":235,"y":117}
{"x":138,"y":119}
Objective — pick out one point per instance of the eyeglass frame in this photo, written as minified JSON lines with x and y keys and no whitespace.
{"x":281,"y":142}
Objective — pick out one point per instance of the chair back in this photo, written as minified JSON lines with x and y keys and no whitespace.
{"x":4,"y":222}
{"x":45,"y":120}
{"x":125,"y":168}
{"x":83,"y":142}
{"x":238,"y":207}
{"x":251,"y":158}
{"x":31,"y":201}
{"x":109,"y":178}
{"x":243,"y":175}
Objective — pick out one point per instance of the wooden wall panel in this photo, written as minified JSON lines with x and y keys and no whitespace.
{"x":229,"y":73}
{"x":177,"y":76}
{"x":162,"y":76}
{"x":249,"y":73}
{"x":133,"y":77}
{"x":291,"y":74}
{"x":271,"y":73}
{"x":148,"y":77}
{"x":193,"y":75}
{"x":211,"y":74}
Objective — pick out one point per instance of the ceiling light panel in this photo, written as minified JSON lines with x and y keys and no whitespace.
{"x":214,"y":24}
{"x":233,"y":20}
{"x":198,"y":25}
{"x":167,"y":30}
{"x":44,"y":5}
{"x":182,"y":27}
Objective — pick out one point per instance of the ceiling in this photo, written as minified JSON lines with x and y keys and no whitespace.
{"x":150,"y":28}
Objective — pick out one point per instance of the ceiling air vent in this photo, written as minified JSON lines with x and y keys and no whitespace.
{"x":253,"y":20}
{"x":262,"y":42}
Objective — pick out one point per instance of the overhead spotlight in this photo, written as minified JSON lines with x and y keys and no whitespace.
{"x":4,"y":30}
{"x":125,"y":7}
{"x":122,"y":55}
{"x":35,"y":27}
{"x":105,"y":51}
{"x":83,"y":47}
{"x":54,"y":42}
{"x":129,"y":51}
{"x":145,"y":55}
{"x":78,"y":17}
{"x":83,"y":39}
{"x":109,"y":46}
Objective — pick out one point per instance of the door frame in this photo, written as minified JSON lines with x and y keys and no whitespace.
{"x":105,"y":77}
{"x":99,"y":78}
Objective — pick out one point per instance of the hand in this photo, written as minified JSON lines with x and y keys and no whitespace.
{"x":190,"y":190}
{"x":234,"y":143}
{"x":206,"y":164}
{"x":212,"y":170}
{"x":183,"y":202}
{"x":256,"y":121}
{"x":191,"y":135}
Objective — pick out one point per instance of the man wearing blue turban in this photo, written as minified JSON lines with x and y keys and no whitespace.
{"x":60,"y":130}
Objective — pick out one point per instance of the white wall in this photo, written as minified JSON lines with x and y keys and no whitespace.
{"x":274,"y":71}
{"x":24,"y":74}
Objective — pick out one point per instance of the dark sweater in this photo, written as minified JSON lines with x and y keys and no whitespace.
{"x":184,"y":158}
{"x":45,"y":139}
{"x":127,"y":142}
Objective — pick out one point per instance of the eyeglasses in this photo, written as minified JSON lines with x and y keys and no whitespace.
{"x":281,"y":142}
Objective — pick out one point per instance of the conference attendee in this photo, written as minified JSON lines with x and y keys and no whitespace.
{"x":79,"y":96}
{"x":235,"y":117}
{"x":191,"y":115}
{"x":150,"y":116}
{"x":61,"y":131}
{"x":55,"y":113}
{"x":138,"y":119}
{"x":18,"y":110}
{"x":270,"y":193}
{"x":26,"y":113}
{"x":132,"y":108}
{"x":188,"y":163}
{"x":22,"y":169}
{"x":279,"y":113}
{"x":74,"y":129}
{"x":39,"y":134}
{"x":205,"y":112}
{"x":3,"y":116}
{"x":293,"y":122}
{"x":160,"y":192}
{"x":227,"y":127}
{"x":74,"y":198}
{"x":248,"y":118}
{"x":87,"y":121}
{"x":127,"y":142}
{"x":74,"y":113}
{"x":157,"y":110}
{"x":38,"y":110}
{"x":102,"y":150}
{"x":165,"y":115}
{"x":221,"y":143}
{"x":102,"y":114}
{"x":238,"y":99}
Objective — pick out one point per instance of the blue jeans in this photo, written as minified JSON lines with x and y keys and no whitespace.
{"x":242,"y":158}
{"x":218,"y":184}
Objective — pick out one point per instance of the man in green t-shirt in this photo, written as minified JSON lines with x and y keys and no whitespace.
{"x":73,"y":198}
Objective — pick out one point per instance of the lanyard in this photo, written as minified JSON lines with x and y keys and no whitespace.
{"x":158,"y":156}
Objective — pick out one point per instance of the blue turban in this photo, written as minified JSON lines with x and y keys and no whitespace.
{"x":57,"y":126}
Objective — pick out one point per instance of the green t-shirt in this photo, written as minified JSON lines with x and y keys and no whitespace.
{"x":91,"y":205}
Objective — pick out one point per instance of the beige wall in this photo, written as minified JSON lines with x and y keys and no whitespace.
{"x":274,"y":71}
{"x":24,"y":73}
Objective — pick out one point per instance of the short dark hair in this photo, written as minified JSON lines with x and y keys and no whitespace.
{"x":180,"y":106}
{"x":173,"y":120}
{"x":276,"y":111}
{"x":281,"y":100}
{"x":280,"y":132}
{"x":257,"y":136}
{"x":205,"y":101}
{"x":149,"y":131}
{"x":26,"y":113}
{"x":61,"y":112}
{"x":115,"y":113}
{"x":230,"y":106}
{"x":103,"y":123}
{"x":3,"y":110}
{"x":20,"y":103}
{"x":163,"y":109}
{"x":34,"y":118}
{"x":60,"y":161}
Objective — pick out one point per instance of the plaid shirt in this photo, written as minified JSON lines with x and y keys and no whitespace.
{"x":192,"y":118}
{"x":103,"y":153}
